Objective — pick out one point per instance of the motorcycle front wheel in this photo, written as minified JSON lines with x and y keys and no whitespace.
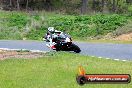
{"x":76,"y":49}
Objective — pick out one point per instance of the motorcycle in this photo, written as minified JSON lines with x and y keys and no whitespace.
{"x":63,"y":43}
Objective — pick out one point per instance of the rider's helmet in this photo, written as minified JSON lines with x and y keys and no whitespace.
{"x":51,"y":29}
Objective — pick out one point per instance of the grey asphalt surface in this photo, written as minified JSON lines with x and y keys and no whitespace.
{"x":106,"y":50}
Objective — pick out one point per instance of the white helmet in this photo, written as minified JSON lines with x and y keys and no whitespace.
{"x":51,"y":29}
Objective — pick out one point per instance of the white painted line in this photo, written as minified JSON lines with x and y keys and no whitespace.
{"x":99,"y":57}
{"x":107,"y":58}
{"x":37,"y":51}
{"x":111,"y":59}
{"x":4,"y":48}
{"x":14,"y":49}
{"x":42,"y":51}
{"x":9,"y":49}
{"x":124,"y":60}
{"x":116,"y":59}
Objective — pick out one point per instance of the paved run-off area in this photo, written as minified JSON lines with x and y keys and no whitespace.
{"x":106,"y":50}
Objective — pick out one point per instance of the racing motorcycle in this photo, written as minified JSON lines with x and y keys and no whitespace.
{"x":63,"y":43}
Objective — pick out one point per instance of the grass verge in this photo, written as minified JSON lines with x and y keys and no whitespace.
{"x":33,"y":25}
{"x":58,"y":70}
{"x":105,"y":41}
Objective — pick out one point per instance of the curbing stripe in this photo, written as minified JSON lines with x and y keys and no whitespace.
{"x":23,"y":49}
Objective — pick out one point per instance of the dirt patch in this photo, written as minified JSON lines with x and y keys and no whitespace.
{"x":125,"y":37}
{"x":5,"y":54}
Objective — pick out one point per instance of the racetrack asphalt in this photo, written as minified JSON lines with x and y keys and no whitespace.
{"x":105,"y":50}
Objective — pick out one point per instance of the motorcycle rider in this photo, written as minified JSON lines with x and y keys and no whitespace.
{"x":52,"y":34}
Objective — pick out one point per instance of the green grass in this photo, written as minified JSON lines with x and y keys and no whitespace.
{"x":58,"y":70}
{"x":19,"y":25}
